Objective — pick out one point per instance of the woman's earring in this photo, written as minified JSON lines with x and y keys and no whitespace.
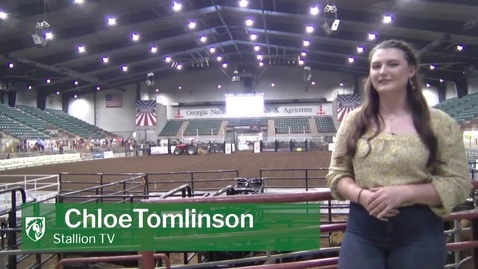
{"x":410,"y":81}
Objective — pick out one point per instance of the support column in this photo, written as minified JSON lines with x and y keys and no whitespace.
{"x":138,"y":91}
{"x":12,"y":98}
{"x":356,"y":84}
{"x":441,"y":89}
{"x":461,"y":86}
{"x":41,"y":100}
{"x":65,"y":102}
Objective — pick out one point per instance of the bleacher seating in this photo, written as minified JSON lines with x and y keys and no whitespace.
{"x":203,"y":127}
{"x":77,"y":122}
{"x":461,"y":109}
{"x":61,"y":123}
{"x":247,"y":122}
{"x":325,"y":124}
{"x":28,"y":120}
{"x":20,"y":131}
{"x":294,"y":124}
{"x":171,"y":128}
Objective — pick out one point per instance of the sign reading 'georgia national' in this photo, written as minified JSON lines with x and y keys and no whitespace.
{"x":171,"y":227}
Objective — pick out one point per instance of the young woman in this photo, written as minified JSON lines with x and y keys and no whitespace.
{"x":403,"y":167}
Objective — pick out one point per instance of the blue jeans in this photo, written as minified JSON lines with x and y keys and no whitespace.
{"x":414,"y":239}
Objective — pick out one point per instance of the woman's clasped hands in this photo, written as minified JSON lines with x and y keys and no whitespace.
{"x":382,"y":202}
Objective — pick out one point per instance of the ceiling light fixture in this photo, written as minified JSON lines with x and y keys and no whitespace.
{"x":243,"y":3}
{"x":111,"y":21}
{"x":249,"y":22}
{"x":154,"y":49}
{"x":177,"y":6}
{"x":314,"y":10}
{"x":253,"y":36}
{"x":387,"y":19}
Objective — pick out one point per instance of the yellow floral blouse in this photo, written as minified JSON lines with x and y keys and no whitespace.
{"x":401,"y":159}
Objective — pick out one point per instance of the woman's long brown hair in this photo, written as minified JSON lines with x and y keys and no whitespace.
{"x":370,"y":109}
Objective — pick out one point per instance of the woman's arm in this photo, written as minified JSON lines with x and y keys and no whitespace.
{"x":422,"y":194}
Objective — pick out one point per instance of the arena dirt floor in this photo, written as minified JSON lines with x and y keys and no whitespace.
{"x":247,"y":163}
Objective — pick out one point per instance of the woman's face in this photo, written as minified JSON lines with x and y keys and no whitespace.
{"x":389,"y":70}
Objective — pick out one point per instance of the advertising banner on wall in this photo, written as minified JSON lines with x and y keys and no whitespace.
{"x":282,"y":110}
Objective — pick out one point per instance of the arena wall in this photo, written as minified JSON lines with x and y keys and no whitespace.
{"x":288,"y":84}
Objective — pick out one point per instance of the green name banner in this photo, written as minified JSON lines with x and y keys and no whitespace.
{"x":171,"y":227}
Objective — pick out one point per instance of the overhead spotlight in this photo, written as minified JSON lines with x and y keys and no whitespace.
{"x":98,"y":88}
{"x":351,"y":59}
{"x":48,"y":81}
{"x":203,"y":38}
{"x":341,"y":84}
{"x":306,"y":43}
{"x":249,"y":22}
{"x":261,"y":63}
{"x":111,"y":21}
{"x":224,"y":65}
{"x":212,"y":49}
{"x":387,"y":19}
{"x":301,"y":62}
{"x":150,"y":79}
{"x":309,"y":29}
{"x":76,"y":82}
{"x":428,"y":85}
{"x":219,"y":86}
{"x":192,"y":24}
{"x":29,"y":87}
{"x":253,"y":36}
{"x":3,"y":15}
{"x":57,"y":93}
{"x":135,"y":37}
{"x":81,"y":49}
{"x":177,"y":6}
{"x":157,"y":90}
{"x":273,"y":85}
{"x":79,"y":1}
{"x":105,"y":59}
{"x":314,"y":10}
{"x":313,"y":82}
{"x":259,"y":56}
{"x":459,"y":47}
{"x":49,"y":35}
{"x":303,"y":54}
{"x":154,"y":49}
{"x":372,"y":36}
{"x":257,"y":48}
{"x":10,"y":65}
{"x":441,"y":80}
{"x":125,"y":68}
{"x":360,"y":49}
{"x":432,"y":67}
{"x":179,"y":66}
{"x":167,"y":59}
{"x":75,"y":96}
{"x":243,"y":3}
{"x":219,"y":58}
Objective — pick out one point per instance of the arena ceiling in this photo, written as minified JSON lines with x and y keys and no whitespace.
{"x":444,"y":31}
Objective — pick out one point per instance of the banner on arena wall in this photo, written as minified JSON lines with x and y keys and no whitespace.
{"x":171,"y":227}
{"x":98,"y":155}
{"x":270,"y":110}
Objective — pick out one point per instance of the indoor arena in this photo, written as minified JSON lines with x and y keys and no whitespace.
{"x":161,"y":102}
